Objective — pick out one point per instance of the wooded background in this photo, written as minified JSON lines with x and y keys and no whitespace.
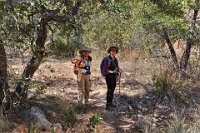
{"x":40,"y":28}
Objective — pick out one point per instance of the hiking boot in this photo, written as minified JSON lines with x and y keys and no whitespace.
{"x":87,"y":105}
{"x":111,"y":105}
{"x":109,"y":108}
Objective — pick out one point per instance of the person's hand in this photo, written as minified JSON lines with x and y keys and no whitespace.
{"x":115,"y":71}
{"x":74,"y":61}
{"x":119,"y":70}
{"x":109,"y":71}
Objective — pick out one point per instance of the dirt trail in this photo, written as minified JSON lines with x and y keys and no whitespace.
{"x":62,"y":83}
{"x":136,"y":106}
{"x":58,"y":76}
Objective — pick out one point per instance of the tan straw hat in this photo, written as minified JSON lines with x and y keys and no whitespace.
{"x":84,"y":48}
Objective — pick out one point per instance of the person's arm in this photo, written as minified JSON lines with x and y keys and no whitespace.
{"x":117,"y":65}
{"x":105,"y":66}
{"x":74,"y":61}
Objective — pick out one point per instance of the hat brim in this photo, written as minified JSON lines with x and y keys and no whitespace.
{"x":113,"y":47}
{"x":81,"y":51}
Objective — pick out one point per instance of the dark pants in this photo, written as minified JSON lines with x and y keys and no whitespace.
{"x":111,"y":84}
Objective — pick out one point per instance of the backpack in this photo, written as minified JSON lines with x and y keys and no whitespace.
{"x":76,"y":66}
{"x":75,"y":69}
{"x":101,"y":65}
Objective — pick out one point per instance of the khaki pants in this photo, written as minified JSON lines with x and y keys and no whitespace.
{"x":84,"y":88}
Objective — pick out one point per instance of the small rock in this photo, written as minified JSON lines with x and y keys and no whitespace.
{"x":48,"y":83}
{"x":41,"y":97}
{"x":140,"y":124}
{"x":51,"y":113}
{"x":154,"y":125}
{"x":155,"y":120}
{"x":36,"y":116}
{"x":80,"y":117}
{"x":130,"y":108}
{"x":156,"y":115}
{"x":123,"y":109}
{"x":30,"y":94}
{"x":127,"y":74}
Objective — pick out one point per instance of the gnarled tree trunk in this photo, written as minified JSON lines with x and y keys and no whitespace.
{"x":33,"y":64}
{"x":38,"y":50}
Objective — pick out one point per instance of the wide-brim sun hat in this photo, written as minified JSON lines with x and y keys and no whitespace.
{"x":84,"y":49}
{"x":113,"y":47}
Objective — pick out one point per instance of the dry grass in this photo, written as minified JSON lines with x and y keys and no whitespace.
{"x":4,"y":124}
{"x":136,"y":78}
{"x":185,"y":118}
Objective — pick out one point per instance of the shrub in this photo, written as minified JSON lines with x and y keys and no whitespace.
{"x":70,"y":116}
{"x":94,"y":120}
{"x":41,"y":89}
{"x":167,"y":86}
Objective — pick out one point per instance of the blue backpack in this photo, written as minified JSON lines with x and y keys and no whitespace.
{"x":102,"y":65}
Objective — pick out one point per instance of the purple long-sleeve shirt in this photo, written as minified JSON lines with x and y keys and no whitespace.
{"x":112,"y":66}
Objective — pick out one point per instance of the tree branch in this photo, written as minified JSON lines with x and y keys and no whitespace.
{"x":186,"y":54}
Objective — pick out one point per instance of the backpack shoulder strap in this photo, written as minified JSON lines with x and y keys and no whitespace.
{"x":109,"y":60}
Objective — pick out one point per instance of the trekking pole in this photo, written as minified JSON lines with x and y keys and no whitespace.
{"x":120,"y":72}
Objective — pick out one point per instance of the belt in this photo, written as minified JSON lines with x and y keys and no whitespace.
{"x":86,"y":73}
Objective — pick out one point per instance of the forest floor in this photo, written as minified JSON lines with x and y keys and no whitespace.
{"x":136,"y":110}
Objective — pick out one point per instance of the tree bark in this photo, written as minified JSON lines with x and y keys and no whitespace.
{"x":4,"y":89}
{"x":33,"y":64}
{"x":171,"y":49}
{"x":3,"y":70}
{"x":186,"y":55}
{"x":38,"y":50}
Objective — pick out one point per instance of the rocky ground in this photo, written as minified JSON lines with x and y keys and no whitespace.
{"x":54,"y":89}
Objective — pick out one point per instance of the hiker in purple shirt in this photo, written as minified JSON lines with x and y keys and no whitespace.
{"x":110,"y":70}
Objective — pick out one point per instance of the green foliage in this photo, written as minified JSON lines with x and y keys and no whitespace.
{"x":122,"y":8}
{"x":32,"y":129}
{"x":175,"y":90}
{"x":41,"y":89}
{"x":97,"y":24}
{"x":162,"y":85}
{"x":109,"y":29}
{"x":62,"y":48}
{"x":70,"y":116}
{"x":94,"y":120}
{"x":170,"y":14}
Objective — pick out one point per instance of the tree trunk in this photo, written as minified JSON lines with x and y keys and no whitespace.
{"x":3,"y":71}
{"x":38,"y":50}
{"x":4,"y":89}
{"x":186,"y":55}
{"x":33,"y":64}
{"x":171,"y":49}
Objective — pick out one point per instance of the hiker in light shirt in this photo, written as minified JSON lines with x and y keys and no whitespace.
{"x":83,"y":63}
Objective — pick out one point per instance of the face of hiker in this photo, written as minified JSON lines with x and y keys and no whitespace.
{"x":113,"y":52}
{"x":85,"y":53}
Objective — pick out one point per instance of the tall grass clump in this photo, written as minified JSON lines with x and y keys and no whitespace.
{"x":166,"y":85}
